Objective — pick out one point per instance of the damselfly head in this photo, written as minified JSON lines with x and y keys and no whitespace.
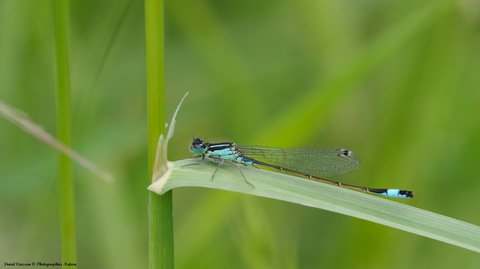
{"x":197,"y":146}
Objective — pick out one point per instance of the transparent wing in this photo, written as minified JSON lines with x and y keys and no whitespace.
{"x":319,"y":162}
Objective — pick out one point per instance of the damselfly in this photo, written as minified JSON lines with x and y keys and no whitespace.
{"x":313,"y":163}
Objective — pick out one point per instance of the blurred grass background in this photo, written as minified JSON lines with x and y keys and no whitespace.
{"x":395,"y":81}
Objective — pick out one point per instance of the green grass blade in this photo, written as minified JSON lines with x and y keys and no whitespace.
{"x":159,"y":207}
{"x":324,"y":196}
{"x":64,"y":131}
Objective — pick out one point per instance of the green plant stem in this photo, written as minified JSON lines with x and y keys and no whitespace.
{"x":63,"y":110}
{"x":160,"y":207}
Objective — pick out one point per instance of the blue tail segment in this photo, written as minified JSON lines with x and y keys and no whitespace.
{"x":392,"y":193}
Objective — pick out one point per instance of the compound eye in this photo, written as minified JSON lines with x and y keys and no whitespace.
{"x":197,"y":143}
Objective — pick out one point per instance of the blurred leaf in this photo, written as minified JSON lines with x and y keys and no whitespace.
{"x":20,"y":119}
{"x":326,"y":95}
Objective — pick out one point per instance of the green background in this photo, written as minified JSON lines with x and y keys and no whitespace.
{"x":395,"y":81}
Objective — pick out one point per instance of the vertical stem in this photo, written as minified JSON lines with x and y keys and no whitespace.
{"x":160,"y":207}
{"x":63,"y":111}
